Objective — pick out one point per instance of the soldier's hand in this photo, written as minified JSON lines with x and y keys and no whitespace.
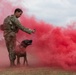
{"x":32,"y":31}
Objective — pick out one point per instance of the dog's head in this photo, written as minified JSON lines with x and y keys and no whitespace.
{"x":25,"y":43}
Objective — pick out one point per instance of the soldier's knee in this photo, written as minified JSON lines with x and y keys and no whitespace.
{"x":12,"y":56}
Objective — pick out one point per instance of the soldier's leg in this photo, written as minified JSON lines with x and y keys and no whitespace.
{"x":13,"y":47}
{"x":12,"y":50}
{"x":10,"y":43}
{"x":12,"y":56}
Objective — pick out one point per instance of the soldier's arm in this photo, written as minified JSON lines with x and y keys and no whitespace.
{"x":18,"y":24}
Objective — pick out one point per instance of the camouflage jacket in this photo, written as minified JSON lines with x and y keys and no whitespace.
{"x":12,"y":24}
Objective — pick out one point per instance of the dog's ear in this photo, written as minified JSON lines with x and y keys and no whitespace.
{"x":23,"y":41}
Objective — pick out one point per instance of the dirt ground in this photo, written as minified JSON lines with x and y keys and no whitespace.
{"x":27,"y":70}
{"x":34,"y":71}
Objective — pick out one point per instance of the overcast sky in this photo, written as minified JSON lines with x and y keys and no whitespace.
{"x":57,"y":12}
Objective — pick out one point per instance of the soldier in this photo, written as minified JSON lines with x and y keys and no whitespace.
{"x":11,"y":26}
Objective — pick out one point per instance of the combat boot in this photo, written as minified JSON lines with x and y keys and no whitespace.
{"x":12,"y":63}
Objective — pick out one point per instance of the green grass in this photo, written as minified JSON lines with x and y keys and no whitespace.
{"x":35,"y":71}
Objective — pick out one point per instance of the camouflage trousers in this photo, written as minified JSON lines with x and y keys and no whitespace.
{"x":10,"y":41}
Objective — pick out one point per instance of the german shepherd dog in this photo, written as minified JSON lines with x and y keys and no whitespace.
{"x":21,"y":51}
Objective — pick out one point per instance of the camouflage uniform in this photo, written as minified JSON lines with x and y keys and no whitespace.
{"x":11,"y":27}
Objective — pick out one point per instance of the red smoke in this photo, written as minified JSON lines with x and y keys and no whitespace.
{"x":52,"y":46}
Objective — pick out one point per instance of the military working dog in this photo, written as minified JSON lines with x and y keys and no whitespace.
{"x":21,"y":51}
